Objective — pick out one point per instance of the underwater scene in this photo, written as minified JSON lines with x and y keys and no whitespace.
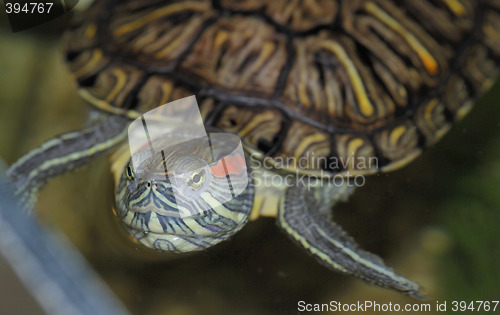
{"x":435,"y":221}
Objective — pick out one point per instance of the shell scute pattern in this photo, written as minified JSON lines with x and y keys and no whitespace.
{"x":239,"y":62}
{"x":362,"y":79}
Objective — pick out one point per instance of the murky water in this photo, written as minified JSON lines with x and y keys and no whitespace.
{"x":435,"y":221}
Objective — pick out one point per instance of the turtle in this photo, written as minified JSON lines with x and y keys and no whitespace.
{"x":320,"y":93}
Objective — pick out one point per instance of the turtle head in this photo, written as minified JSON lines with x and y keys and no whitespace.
{"x":187,"y":197}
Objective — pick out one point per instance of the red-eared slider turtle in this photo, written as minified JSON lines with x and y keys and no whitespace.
{"x":318,"y":91}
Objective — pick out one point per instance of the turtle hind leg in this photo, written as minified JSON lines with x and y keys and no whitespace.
{"x":305,"y":215}
{"x":62,"y":154}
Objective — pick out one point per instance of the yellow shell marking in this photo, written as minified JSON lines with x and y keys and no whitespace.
{"x":167,"y":50}
{"x":90,"y":65}
{"x":166,"y":89}
{"x":266,"y":51}
{"x":220,"y":38}
{"x":302,"y":86}
{"x":395,"y":165}
{"x":429,"y":109}
{"x":90,"y":31}
{"x":251,"y":125}
{"x":492,"y":33}
{"x":365,"y":105}
{"x":330,"y":99}
{"x":121,"y":79}
{"x":354,"y":146}
{"x":168,"y":10}
{"x":396,"y":134}
{"x":428,"y":61}
{"x":455,"y":6}
{"x":306,"y":142}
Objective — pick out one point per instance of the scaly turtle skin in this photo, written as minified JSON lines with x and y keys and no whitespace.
{"x":324,"y":89}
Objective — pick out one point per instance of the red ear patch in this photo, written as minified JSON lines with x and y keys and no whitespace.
{"x":232,"y":164}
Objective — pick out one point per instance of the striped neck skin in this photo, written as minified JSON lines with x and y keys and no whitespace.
{"x":185,"y":198}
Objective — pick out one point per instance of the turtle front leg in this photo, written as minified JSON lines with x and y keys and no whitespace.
{"x":305,"y":214}
{"x":62,"y":154}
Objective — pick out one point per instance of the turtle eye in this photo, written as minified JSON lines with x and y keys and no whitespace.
{"x":197,"y":179}
{"x":130,"y":173}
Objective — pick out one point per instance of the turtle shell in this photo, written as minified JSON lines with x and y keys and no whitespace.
{"x":339,"y":86}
